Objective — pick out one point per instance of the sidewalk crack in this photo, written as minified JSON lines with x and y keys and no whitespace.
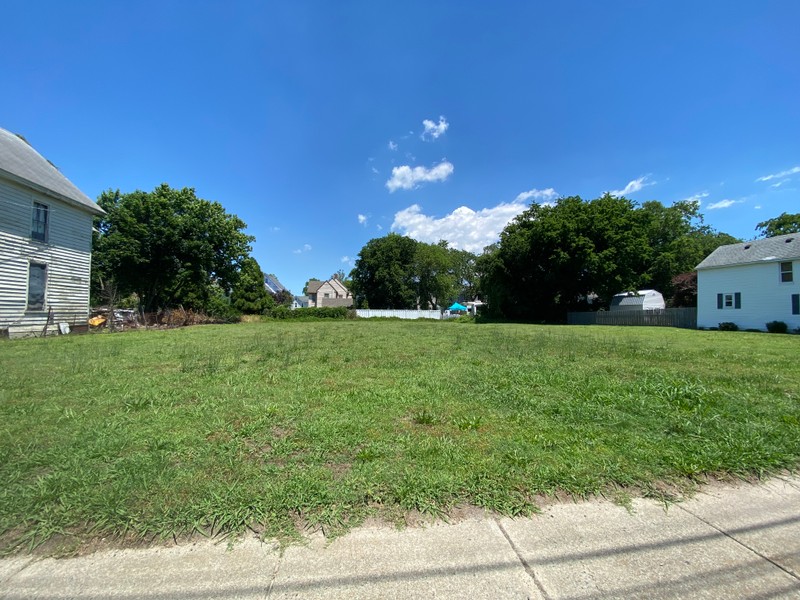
{"x":786,"y":570}
{"x":274,"y":575}
{"x":528,"y":568}
{"x":25,"y":565}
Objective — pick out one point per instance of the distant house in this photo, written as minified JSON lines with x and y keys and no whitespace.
{"x":751,"y":284}
{"x":328,"y":293}
{"x":45,"y":243}
{"x":300,"y":302}
{"x":637,"y":301}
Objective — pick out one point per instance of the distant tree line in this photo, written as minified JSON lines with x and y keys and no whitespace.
{"x":572,"y":255}
{"x":552,"y":259}
{"x":399,"y":272}
{"x":169,"y":248}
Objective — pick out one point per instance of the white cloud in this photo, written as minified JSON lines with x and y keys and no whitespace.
{"x":633,"y":186}
{"x":723,"y":204}
{"x":345,"y":259}
{"x":379,"y":227}
{"x":392,"y":145}
{"x":757,"y":207}
{"x":374,"y":170}
{"x":780,"y":183}
{"x":362,"y":219}
{"x":464,"y":228}
{"x":696,"y":197}
{"x":407,"y":178}
{"x":434,"y":130}
{"x":547,"y":195}
{"x":305,"y":248}
{"x":792,"y":171}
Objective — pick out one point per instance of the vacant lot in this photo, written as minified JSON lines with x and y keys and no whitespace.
{"x":279,"y":425}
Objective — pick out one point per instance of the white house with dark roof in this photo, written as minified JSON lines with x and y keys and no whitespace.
{"x":45,"y":243}
{"x":751,"y":284}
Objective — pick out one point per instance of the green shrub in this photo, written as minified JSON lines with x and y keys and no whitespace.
{"x":777,"y":327}
{"x":728,"y":326}
{"x":324,"y":312}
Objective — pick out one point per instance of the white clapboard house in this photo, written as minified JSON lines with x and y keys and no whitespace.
{"x":45,"y":243}
{"x":751,"y":284}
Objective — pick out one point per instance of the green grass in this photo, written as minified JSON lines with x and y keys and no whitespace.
{"x":272,"y":426}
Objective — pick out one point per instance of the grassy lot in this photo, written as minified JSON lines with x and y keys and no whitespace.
{"x":274,"y":425}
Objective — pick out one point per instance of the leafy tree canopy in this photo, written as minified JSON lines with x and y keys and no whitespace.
{"x":551,"y":258}
{"x":249,"y":294}
{"x":399,"y":272}
{"x":785,"y":223}
{"x":168,"y":246}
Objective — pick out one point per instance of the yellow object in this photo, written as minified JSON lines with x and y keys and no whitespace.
{"x":97,"y":321}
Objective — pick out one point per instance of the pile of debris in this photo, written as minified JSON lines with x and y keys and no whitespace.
{"x":117,"y":319}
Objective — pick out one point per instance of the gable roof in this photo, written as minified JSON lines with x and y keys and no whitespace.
{"x":273,"y":284}
{"x":774,"y":249}
{"x":313,"y":287}
{"x":20,"y":163}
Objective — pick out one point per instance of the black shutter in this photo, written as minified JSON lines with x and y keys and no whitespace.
{"x":719,"y":300}
{"x":737,"y":300}
{"x":796,"y":304}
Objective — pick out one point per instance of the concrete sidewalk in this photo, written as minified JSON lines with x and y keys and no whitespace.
{"x":729,"y":542}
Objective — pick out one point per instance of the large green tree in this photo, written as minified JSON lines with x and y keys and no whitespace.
{"x":249,"y":294}
{"x":398,"y":272}
{"x":168,"y":246}
{"x":780,"y":225}
{"x":383,"y":276}
{"x":550,"y":259}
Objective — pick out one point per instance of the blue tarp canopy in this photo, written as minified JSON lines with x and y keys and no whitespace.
{"x":457,"y":306}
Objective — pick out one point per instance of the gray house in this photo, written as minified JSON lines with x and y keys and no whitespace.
{"x":45,"y":243}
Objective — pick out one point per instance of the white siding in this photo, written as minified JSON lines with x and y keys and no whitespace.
{"x":764,"y":297}
{"x":67,"y":254}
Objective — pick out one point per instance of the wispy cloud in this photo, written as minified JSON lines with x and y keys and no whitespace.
{"x":464,"y":228}
{"x":379,"y":227}
{"x":546,"y":195}
{"x":633,"y":186}
{"x":305,"y":248}
{"x":407,"y":178}
{"x":698,"y":197}
{"x":434,"y":130}
{"x":779,"y":183}
{"x":723,"y":204}
{"x":392,"y":145}
{"x":362,"y":219}
{"x":345,"y":259}
{"x":786,"y":173}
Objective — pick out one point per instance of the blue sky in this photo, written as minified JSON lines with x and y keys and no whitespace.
{"x":325,"y":124}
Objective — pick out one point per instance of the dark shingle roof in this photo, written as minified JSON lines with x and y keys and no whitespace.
{"x":21,"y":163}
{"x":313,"y":287}
{"x":778,"y":248}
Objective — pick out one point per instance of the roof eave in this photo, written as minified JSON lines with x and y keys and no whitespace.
{"x":48,"y":192}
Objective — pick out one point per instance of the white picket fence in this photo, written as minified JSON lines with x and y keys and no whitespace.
{"x":368,"y":313}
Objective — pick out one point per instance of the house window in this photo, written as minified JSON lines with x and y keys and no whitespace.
{"x":37,"y":283}
{"x":326,"y":295}
{"x":786,"y":272}
{"x":39,"y":224}
{"x":729,"y":300}
{"x":796,"y":304}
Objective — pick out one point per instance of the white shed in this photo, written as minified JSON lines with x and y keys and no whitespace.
{"x":638,"y":301}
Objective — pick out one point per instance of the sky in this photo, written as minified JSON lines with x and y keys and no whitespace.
{"x":325,"y":124}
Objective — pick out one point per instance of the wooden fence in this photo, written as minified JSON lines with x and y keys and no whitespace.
{"x":366,"y":313}
{"x":685,"y":318}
